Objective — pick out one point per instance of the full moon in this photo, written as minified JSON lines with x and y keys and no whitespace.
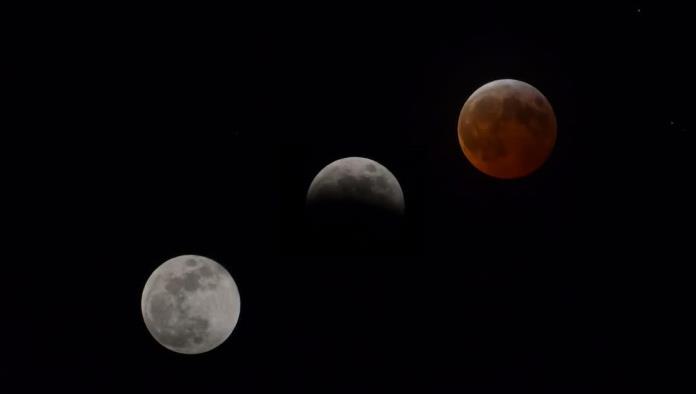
{"x":190,"y":304}
{"x":357,"y":180}
{"x":507,"y":129}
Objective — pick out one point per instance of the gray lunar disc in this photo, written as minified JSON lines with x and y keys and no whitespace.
{"x":190,"y":304}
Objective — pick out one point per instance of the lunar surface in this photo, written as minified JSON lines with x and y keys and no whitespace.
{"x":190,"y":304}
{"x":507,"y":129}
{"x":354,"y":206}
{"x":357,"y":180}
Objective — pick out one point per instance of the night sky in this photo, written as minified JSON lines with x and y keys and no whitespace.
{"x":143,"y":134}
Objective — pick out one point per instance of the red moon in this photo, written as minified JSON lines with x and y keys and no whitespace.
{"x":507,"y":129}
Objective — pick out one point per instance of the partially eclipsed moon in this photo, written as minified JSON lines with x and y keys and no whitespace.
{"x":357,"y":180}
{"x":190,"y":304}
{"x":354,"y":206}
{"x":507,"y":129}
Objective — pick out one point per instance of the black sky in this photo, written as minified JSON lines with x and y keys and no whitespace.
{"x":141,"y":134}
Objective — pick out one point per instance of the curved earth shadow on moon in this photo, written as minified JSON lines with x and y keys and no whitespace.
{"x":354,"y":206}
{"x":358,"y":180}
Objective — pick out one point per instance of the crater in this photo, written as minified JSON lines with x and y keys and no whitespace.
{"x":161,"y":309}
{"x":205,"y":271}
{"x":190,"y":281}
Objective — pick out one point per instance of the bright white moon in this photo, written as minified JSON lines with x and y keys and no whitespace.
{"x":190,"y":304}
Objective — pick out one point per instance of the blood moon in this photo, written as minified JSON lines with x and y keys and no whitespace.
{"x":507,"y":129}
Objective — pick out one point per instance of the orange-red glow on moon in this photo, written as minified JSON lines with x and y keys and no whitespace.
{"x":507,"y":129}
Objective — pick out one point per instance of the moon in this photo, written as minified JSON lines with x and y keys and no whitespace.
{"x":507,"y":129}
{"x":357,"y":180}
{"x":354,"y":206}
{"x":190,"y":304}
